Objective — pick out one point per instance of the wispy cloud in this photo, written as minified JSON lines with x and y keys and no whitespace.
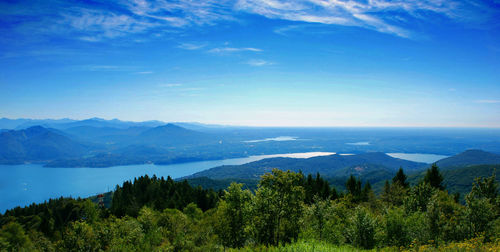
{"x":380,"y":15}
{"x":234,"y":49}
{"x":191,"y":89}
{"x":98,"y":24}
{"x":92,"y":23}
{"x":258,"y":62}
{"x":488,"y":101}
{"x":105,"y":68}
{"x":145,"y":72}
{"x":192,"y":46}
{"x":169,"y":85}
{"x":182,"y":12}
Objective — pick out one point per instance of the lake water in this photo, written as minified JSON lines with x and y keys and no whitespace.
{"x":277,"y":139}
{"x":21,"y":185}
{"x":359,"y":143}
{"x":418,"y":157}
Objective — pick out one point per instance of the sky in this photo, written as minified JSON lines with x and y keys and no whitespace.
{"x":430,"y":63}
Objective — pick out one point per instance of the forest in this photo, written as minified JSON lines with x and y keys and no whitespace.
{"x":288,"y":211}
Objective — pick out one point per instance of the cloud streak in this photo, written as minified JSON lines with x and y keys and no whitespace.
{"x":258,"y":62}
{"x":191,"y":46}
{"x":234,"y":49}
{"x":169,"y":85}
{"x":104,"y":20}
{"x":380,"y":15}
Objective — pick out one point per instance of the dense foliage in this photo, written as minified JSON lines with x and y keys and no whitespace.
{"x":287,"y":211}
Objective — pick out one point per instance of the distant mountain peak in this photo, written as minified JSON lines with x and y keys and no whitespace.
{"x":36,"y":129}
{"x":171,"y":125}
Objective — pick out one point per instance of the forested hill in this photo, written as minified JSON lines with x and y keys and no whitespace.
{"x":328,"y":166}
{"x":469,"y":157}
{"x":460,"y":179}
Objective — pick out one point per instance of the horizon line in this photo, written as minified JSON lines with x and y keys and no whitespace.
{"x":267,"y":126}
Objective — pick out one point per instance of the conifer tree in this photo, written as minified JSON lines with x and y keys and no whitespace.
{"x":434,"y":177}
{"x":400,"y":178}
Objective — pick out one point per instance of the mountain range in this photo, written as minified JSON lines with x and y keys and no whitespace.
{"x":97,"y":142}
{"x":37,"y":144}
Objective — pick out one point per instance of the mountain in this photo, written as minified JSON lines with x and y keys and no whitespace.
{"x":107,"y":135}
{"x":375,"y":163}
{"x":467,"y":158}
{"x":202,"y":126}
{"x":22,"y":123}
{"x":172,"y":135}
{"x":37,"y":144}
{"x":101,"y":123}
{"x":65,"y":123}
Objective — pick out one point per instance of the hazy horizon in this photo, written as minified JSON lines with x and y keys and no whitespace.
{"x":263,"y":126}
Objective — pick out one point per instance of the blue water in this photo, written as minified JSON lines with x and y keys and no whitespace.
{"x":22,"y":185}
{"x":277,"y":139}
{"x":418,"y":157}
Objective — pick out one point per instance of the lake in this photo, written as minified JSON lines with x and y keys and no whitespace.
{"x":21,"y":185}
{"x":277,"y":139}
{"x":418,"y":157}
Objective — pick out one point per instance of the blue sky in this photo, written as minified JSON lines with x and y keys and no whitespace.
{"x":254,"y":62}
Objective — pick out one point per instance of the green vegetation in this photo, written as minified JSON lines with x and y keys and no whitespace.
{"x":460,"y":180}
{"x":286,"y":212}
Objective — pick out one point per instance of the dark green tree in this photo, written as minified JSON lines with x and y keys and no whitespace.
{"x":367,"y":190}
{"x":353,"y":186}
{"x":400,"y":178}
{"x":434,"y":177}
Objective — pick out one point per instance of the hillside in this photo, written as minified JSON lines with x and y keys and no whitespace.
{"x":37,"y":144}
{"x":460,"y":179}
{"x":106,"y":135}
{"x":469,"y":157}
{"x":171,"y":134}
{"x":328,"y":166}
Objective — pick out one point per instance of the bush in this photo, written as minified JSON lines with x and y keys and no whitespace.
{"x":361,"y":231}
{"x":396,"y":228}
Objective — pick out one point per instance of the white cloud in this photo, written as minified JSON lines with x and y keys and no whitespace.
{"x":191,"y":46}
{"x":145,"y":72}
{"x":380,"y":15}
{"x":99,"y":24}
{"x":105,"y":68}
{"x":182,"y":12}
{"x":488,"y":101}
{"x":234,"y":49}
{"x":152,"y":17}
{"x":258,"y":62}
{"x":192,"y":89}
{"x":170,"y":85}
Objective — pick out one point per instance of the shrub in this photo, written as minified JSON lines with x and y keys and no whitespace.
{"x":361,"y":231}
